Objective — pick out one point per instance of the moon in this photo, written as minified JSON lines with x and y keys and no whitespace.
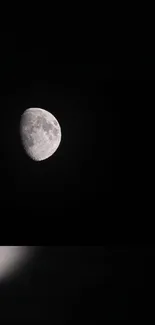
{"x":40,"y":133}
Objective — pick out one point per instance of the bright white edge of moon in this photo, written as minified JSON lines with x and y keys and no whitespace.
{"x":33,"y":152}
{"x":13,"y":259}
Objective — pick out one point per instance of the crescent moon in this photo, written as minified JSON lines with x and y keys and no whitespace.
{"x":40,"y":133}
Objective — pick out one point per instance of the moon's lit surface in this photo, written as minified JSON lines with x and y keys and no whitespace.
{"x":40,"y":133}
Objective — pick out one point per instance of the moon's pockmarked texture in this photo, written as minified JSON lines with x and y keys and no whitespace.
{"x":40,"y":133}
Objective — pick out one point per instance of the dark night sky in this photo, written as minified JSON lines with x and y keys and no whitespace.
{"x":90,"y":125}
{"x":72,"y":198}
{"x":84,"y":99}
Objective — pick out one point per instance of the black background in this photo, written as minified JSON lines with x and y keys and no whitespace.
{"x":64,"y":194}
{"x":73,"y":201}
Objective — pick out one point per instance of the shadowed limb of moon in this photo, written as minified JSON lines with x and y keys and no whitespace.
{"x":40,"y":133}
